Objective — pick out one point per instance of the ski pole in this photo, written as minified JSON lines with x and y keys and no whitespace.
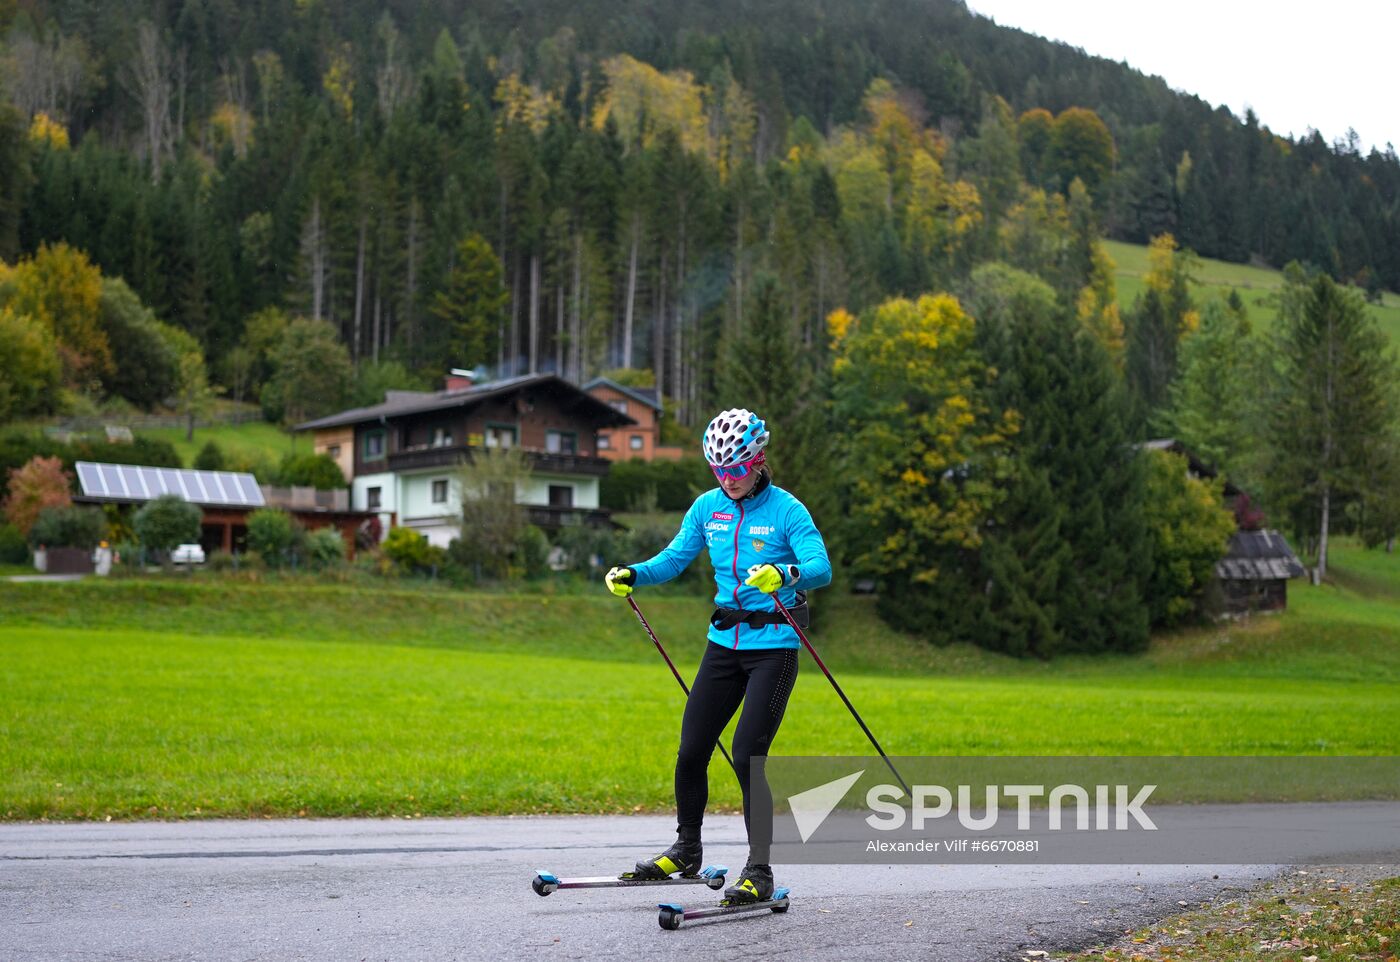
{"x":822,"y":665}
{"x":679,"y":680}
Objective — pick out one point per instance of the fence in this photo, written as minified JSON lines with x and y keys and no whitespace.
{"x":140,"y":422}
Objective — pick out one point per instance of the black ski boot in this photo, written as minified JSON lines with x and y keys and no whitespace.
{"x":755,"y":885}
{"x":683,"y":856}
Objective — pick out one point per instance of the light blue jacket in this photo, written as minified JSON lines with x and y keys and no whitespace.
{"x":773,"y":526}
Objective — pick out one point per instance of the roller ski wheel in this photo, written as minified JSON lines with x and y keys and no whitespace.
{"x":669,"y":917}
{"x":544,"y":883}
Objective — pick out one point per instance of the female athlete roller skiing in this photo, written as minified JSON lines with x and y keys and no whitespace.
{"x":761,"y":540}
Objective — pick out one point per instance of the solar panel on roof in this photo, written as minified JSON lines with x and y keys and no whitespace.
{"x":134,"y":482}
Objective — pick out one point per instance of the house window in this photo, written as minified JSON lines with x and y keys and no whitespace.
{"x":604,"y":442}
{"x":333,"y":451}
{"x":561,"y":442}
{"x":440,"y":491}
{"x":619,"y":405}
{"x":442,"y":437}
{"x":372,"y":498}
{"x":635,"y":442}
{"x":561,"y":496}
{"x":500,"y":436}
{"x":374,"y":445}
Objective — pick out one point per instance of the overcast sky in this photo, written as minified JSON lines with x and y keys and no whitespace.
{"x":1328,"y":66}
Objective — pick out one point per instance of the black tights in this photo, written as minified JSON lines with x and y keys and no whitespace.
{"x":762,"y":679}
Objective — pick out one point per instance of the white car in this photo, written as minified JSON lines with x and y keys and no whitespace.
{"x":187,"y":554}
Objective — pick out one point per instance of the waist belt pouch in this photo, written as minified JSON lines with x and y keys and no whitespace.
{"x":727,"y":618}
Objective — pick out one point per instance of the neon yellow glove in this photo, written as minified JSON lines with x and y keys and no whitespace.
{"x":768,"y":578}
{"x":620,"y":581}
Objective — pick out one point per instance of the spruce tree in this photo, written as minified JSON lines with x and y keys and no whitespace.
{"x":1066,"y":560}
{"x":1213,"y":401}
{"x":765,"y":369}
{"x":1333,"y":403}
{"x":1024,"y":555}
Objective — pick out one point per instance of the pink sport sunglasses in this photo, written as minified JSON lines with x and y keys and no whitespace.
{"x":736,"y":471}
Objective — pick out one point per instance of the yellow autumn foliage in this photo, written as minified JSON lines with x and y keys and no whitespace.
{"x":43,"y":129}
{"x":339,"y":84}
{"x":907,"y":385}
{"x":234,"y":126}
{"x":524,"y":104}
{"x":638,"y":93}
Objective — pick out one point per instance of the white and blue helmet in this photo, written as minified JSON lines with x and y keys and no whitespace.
{"x":734,"y":436}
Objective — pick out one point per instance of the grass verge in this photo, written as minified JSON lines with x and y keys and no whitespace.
{"x":1306,"y":916}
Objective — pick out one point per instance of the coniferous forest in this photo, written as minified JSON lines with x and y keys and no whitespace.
{"x":881,"y":222}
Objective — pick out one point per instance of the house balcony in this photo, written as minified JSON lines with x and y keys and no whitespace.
{"x":451,"y":455}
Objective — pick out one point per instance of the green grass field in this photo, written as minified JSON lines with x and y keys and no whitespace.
{"x":1256,"y":286}
{"x":256,"y":439}
{"x":169,"y":698}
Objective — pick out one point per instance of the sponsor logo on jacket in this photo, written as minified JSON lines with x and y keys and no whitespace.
{"x":721,"y":516}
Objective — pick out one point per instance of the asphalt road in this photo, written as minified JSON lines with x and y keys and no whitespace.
{"x":460,"y":889}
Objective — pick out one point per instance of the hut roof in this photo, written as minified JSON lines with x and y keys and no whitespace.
{"x":1259,"y":556}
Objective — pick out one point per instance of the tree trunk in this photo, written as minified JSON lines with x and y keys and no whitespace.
{"x":1320,"y":571}
{"x":148,"y":79}
{"x":412,"y":286}
{"x":189,"y":427}
{"x":677,"y":351}
{"x":315,"y":253}
{"x":559,"y":331}
{"x":359,"y":291}
{"x":658,"y":361}
{"x":513,"y":349}
{"x":575,"y":320}
{"x":631,"y":296}
{"x":534,"y":359}
{"x":739,"y":272}
{"x":375,"y":350}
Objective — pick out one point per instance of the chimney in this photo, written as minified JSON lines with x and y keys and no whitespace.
{"x":458,"y":379}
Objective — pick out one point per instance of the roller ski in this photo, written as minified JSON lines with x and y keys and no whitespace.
{"x":678,"y":865}
{"x":670,"y":915}
{"x":546,"y":883}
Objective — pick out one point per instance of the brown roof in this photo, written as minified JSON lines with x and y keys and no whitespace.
{"x":401,"y":403}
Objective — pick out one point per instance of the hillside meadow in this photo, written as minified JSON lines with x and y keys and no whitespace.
{"x":1257,"y":287}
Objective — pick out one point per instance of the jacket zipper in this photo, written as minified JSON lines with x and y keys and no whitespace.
{"x":737,"y":528}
